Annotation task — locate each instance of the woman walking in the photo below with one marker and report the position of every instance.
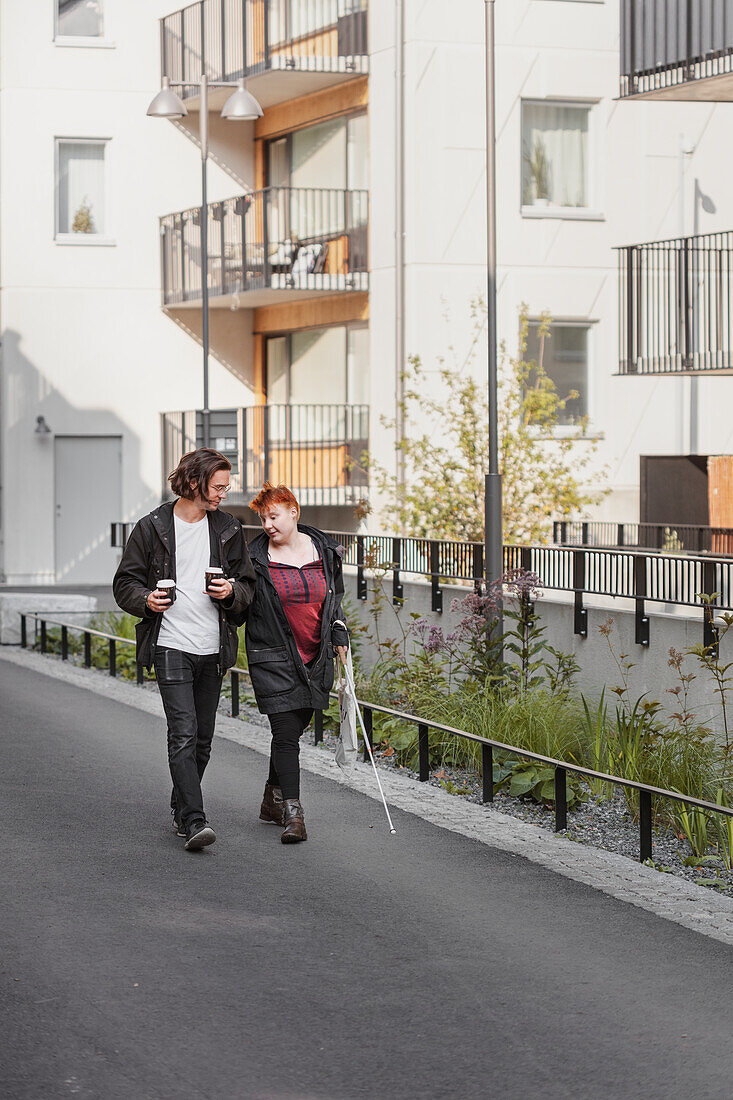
(294, 627)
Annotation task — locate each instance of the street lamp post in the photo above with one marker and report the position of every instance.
(493, 542)
(241, 106)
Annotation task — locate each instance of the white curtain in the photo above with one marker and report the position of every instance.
(81, 187)
(290, 19)
(554, 155)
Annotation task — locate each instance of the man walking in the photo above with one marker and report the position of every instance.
(192, 638)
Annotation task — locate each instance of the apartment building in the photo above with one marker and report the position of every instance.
(346, 230)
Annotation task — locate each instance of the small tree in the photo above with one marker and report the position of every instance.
(445, 463)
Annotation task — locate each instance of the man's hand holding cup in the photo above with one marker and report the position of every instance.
(216, 584)
(162, 596)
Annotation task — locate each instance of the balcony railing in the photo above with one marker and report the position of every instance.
(315, 449)
(672, 538)
(280, 239)
(229, 39)
(676, 305)
(668, 47)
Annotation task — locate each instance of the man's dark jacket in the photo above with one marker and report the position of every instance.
(280, 679)
(150, 556)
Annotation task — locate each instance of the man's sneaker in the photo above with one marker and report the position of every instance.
(177, 827)
(198, 835)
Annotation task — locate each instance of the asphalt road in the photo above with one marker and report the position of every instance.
(356, 965)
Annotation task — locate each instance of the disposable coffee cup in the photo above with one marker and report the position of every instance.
(166, 588)
(213, 573)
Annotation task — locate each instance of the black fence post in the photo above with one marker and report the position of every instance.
(645, 826)
(234, 677)
(580, 625)
(487, 773)
(367, 716)
(361, 584)
(561, 800)
(64, 643)
(397, 588)
(44, 638)
(423, 752)
(87, 649)
(709, 632)
(641, 619)
(437, 591)
(478, 566)
(318, 727)
(23, 633)
(112, 657)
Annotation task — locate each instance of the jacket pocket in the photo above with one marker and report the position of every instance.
(144, 638)
(270, 670)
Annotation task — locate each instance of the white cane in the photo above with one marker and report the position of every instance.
(367, 742)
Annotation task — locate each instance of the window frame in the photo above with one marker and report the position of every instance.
(83, 41)
(594, 210)
(565, 431)
(84, 240)
(288, 334)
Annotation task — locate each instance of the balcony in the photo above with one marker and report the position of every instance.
(277, 245)
(285, 48)
(676, 306)
(314, 449)
(677, 49)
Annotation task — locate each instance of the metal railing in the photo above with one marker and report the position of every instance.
(281, 238)
(676, 305)
(231, 39)
(561, 767)
(315, 449)
(668, 537)
(640, 576)
(667, 44)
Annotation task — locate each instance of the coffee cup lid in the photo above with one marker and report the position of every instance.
(214, 569)
(166, 584)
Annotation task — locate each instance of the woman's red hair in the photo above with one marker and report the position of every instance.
(271, 494)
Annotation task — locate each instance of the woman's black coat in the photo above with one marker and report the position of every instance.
(280, 679)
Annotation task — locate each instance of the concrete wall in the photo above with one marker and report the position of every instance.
(84, 340)
(650, 674)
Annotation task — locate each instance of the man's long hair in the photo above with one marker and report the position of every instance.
(198, 466)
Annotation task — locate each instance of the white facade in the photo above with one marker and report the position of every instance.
(86, 345)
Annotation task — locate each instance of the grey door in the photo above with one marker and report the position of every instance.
(88, 474)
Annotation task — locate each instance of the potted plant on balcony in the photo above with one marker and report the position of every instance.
(538, 180)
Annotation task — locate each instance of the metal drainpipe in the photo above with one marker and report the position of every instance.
(399, 231)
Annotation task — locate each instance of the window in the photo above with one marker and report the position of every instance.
(79, 19)
(564, 356)
(555, 156)
(330, 154)
(223, 433)
(327, 366)
(80, 190)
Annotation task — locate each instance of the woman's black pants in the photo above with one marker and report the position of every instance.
(285, 749)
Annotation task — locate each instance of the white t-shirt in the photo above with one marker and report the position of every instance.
(192, 622)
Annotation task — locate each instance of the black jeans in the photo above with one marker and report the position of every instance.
(190, 685)
(285, 750)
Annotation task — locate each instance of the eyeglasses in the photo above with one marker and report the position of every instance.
(220, 490)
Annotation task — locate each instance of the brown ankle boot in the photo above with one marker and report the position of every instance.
(294, 822)
(272, 805)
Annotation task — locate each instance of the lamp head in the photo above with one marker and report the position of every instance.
(241, 106)
(167, 104)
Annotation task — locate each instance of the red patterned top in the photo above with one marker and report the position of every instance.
(302, 593)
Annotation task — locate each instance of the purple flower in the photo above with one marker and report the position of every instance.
(435, 640)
